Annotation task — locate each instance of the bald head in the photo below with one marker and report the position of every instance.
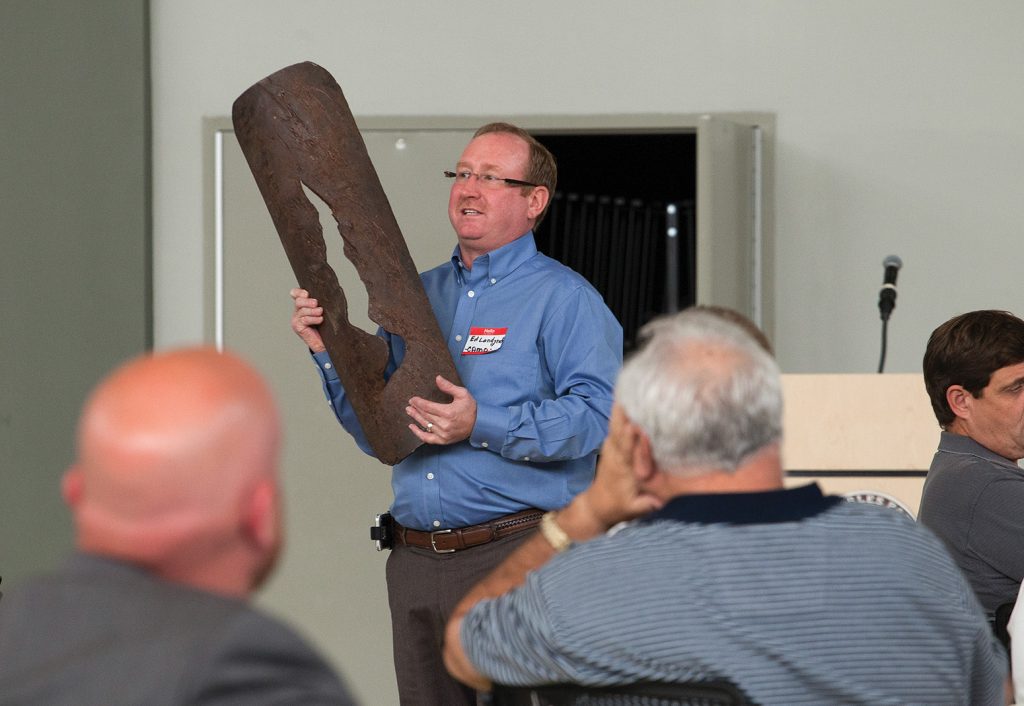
(176, 467)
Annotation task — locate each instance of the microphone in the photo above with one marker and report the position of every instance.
(887, 295)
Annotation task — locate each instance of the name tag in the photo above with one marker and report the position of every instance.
(484, 340)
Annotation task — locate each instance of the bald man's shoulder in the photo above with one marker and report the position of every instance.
(127, 637)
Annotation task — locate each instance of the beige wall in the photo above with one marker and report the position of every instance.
(900, 127)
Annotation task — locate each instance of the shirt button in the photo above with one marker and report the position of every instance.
(484, 444)
(458, 337)
(437, 523)
(494, 281)
(327, 366)
(430, 476)
(471, 294)
(526, 458)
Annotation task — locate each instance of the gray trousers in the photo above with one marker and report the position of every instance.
(423, 590)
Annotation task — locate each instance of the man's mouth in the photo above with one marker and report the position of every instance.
(470, 212)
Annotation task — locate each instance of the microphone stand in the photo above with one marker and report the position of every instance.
(886, 303)
(885, 335)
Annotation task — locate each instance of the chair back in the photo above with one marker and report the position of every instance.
(1001, 624)
(709, 693)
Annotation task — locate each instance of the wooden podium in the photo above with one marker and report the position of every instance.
(871, 435)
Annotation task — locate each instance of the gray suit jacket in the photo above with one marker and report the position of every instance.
(102, 632)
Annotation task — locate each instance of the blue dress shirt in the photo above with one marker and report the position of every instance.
(543, 396)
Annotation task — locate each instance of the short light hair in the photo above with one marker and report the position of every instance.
(541, 168)
(704, 391)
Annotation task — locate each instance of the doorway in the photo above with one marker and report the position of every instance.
(623, 217)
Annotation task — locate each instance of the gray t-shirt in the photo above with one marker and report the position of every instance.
(973, 499)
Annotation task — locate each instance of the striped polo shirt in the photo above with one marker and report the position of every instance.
(796, 597)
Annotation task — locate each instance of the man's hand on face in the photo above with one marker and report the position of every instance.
(437, 423)
(618, 492)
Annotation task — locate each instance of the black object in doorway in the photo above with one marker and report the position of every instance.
(611, 221)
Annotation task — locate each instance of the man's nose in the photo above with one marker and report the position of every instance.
(469, 186)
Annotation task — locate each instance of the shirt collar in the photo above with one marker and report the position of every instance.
(960, 444)
(500, 262)
(81, 562)
(783, 505)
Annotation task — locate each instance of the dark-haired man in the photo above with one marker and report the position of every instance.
(522, 436)
(974, 492)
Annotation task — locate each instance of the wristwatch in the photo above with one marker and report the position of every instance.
(554, 534)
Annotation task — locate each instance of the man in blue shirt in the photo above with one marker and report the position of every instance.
(537, 351)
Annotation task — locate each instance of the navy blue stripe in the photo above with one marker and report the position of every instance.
(783, 505)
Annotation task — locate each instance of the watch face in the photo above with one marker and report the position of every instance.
(873, 497)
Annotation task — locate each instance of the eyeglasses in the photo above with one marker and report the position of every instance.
(487, 181)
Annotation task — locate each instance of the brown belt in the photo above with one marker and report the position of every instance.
(450, 540)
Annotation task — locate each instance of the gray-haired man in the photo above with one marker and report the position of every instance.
(792, 596)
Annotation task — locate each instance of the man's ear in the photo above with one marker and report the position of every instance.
(631, 443)
(71, 486)
(538, 199)
(959, 400)
(261, 521)
(643, 458)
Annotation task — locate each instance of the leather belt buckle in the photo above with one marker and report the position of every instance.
(433, 542)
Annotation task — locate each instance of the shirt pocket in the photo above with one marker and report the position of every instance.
(504, 378)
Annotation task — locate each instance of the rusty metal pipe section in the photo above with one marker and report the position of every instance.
(295, 128)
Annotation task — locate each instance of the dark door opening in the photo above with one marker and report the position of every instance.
(610, 219)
